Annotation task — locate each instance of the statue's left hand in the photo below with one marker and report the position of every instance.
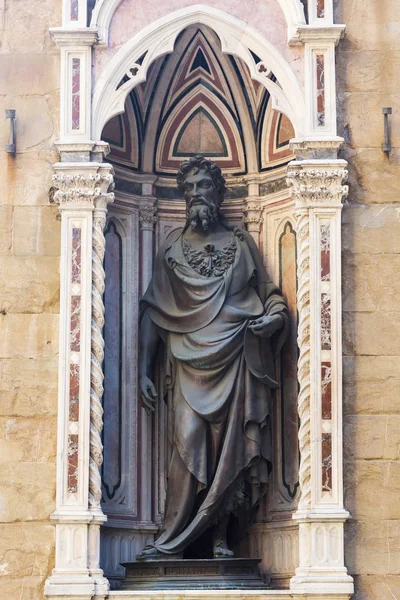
(266, 325)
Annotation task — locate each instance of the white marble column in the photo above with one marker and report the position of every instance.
(318, 191)
(83, 192)
(147, 220)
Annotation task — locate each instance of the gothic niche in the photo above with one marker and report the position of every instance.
(195, 100)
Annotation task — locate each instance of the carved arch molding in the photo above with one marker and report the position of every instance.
(100, 68)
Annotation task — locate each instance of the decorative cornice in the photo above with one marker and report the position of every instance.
(317, 183)
(63, 36)
(317, 34)
(321, 144)
(67, 148)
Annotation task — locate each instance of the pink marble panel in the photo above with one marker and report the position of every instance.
(74, 10)
(325, 253)
(320, 90)
(320, 9)
(76, 92)
(73, 459)
(326, 390)
(326, 462)
(76, 255)
(325, 321)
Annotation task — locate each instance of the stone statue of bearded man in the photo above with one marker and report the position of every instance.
(222, 322)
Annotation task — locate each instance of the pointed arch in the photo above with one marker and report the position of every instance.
(236, 37)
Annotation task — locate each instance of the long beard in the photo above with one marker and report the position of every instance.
(202, 215)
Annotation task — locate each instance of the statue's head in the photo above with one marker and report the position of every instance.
(203, 187)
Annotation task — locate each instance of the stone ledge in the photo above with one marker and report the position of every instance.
(200, 595)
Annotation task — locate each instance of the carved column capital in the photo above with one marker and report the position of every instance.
(253, 215)
(147, 216)
(80, 186)
(318, 183)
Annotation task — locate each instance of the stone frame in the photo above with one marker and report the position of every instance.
(84, 189)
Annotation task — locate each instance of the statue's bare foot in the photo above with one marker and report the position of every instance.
(220, 548)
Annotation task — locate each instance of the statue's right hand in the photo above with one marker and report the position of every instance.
(148, 393)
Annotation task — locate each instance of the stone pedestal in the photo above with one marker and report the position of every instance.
(211, 574)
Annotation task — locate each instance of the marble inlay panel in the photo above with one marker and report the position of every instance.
(326, 462)
(76, 255)
(326, 390)
(74, 347)
(320, 9)
(320, 90)
(325, 321)
(74, 10)
(74, 392)
(73, 457)
(325, 253)
(75, 333)
(76, 92)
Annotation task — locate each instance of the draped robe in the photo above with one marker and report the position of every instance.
(221, 375)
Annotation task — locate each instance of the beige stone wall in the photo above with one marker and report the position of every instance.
(29, 297)
(369, 79)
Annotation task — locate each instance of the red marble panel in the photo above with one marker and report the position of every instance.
(74, 10)
(326, 462)
(73, 459)
(325, 321)
(325, 253)
(320, 90)
(75, 332)
(320, 9)
(76, 92)
(74, 392)
(326, 390)
(76, 255)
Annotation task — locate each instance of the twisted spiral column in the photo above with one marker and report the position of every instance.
(97, 351)
(304, 363)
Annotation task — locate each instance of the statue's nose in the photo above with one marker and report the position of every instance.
(195, 191)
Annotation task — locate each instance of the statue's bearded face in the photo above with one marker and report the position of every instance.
(202, 199)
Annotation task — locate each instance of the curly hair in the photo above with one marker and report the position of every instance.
(200, 163)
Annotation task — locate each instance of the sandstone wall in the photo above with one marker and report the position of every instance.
(29, 297)
(369, 79)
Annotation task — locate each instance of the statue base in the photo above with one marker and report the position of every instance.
(203, 574)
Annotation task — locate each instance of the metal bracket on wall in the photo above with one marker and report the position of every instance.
(11, 147)
(386, 146)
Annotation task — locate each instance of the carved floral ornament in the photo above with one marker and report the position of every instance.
(83, 189)
(148, 214)
(313, 186)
